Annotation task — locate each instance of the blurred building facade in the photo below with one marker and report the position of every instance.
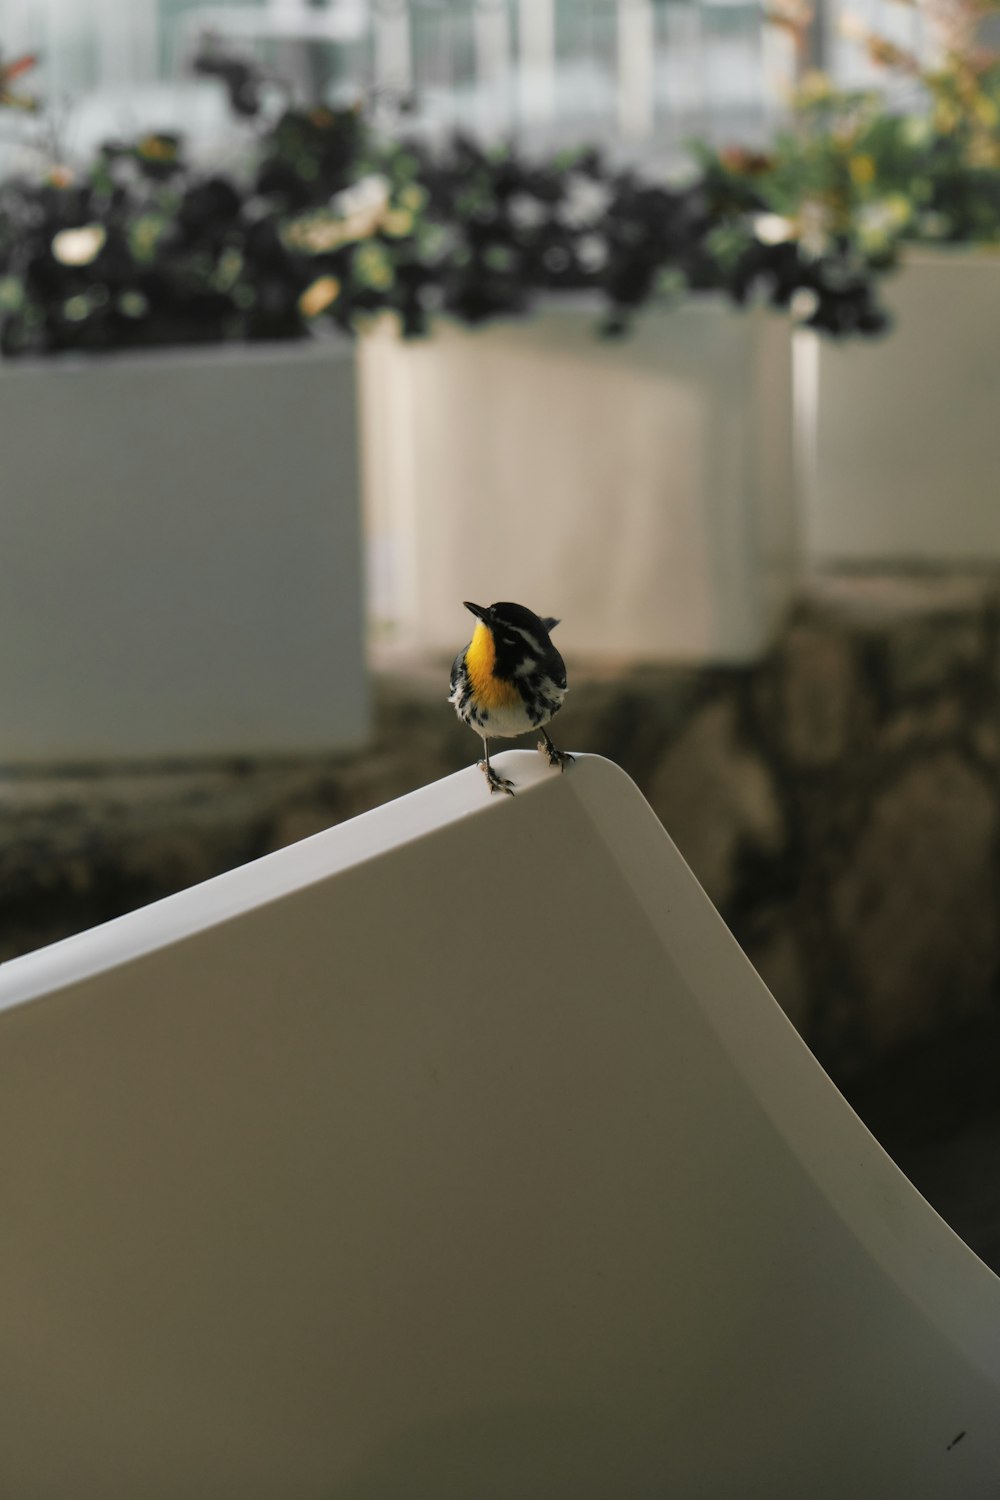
(640, 75)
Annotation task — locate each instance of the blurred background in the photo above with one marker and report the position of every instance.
(676, 319)
(649, 73)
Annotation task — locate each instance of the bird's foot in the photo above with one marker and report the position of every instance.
(560, 758)
(494, 780)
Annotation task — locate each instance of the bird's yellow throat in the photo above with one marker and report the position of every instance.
(480, 659)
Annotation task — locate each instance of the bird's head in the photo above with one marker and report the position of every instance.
(514, 627)
(508, 639)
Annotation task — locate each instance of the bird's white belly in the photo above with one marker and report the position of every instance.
(506, 721)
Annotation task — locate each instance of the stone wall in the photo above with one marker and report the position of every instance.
(839, 803)
(854, 847)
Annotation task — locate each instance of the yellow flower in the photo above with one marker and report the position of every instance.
(946, 118)
(899, 209)
(814, 87)
(227, 270)
(862, 168)
(397, 222)
(144, 234)
(318, 296)
(373, 267)
(983, 152)
(157, 148)
(413, 197)
(11, 293)
(315, 233)
(881, 222)
(133, 304)
(916, 130)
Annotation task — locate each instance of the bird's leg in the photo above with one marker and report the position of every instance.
(560, 758)
(495, 781)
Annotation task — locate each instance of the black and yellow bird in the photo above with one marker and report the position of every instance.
(508, 680)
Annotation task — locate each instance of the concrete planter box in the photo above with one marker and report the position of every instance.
(640, 489)
(900, 437)
(180, 554)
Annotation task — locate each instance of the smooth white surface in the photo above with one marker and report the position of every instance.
(180, 558)
(458, 1151)
(902, 432)
(639, 489)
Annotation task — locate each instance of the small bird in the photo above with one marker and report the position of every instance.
(508, 680)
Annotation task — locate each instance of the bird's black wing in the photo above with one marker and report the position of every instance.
(554, 667)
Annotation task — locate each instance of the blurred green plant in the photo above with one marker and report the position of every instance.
(141, 249)
(481, 232)
(862, 172)
(325, 223)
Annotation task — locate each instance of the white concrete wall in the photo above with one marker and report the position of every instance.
(180, 555)
(901, 434)
(640, 489)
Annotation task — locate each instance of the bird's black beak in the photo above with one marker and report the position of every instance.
(479, 610)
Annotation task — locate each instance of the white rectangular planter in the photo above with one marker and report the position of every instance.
(900, 436)
(180, 558)
(640, 489)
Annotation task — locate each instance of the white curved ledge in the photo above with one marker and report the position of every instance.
(458, 1152)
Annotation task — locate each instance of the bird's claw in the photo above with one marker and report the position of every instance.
(560, 758)
(495, 781)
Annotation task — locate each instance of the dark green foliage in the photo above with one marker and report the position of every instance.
(325, 222)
